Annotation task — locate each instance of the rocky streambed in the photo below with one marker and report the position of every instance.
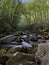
(18, 55)
(22, 49)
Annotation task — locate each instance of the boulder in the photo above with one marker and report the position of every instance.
(12, 50)
(7, 39)
(30, 63)
(42, 54)
(19, 58)
(20, 48)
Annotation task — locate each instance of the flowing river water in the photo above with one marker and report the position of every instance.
(14, 43)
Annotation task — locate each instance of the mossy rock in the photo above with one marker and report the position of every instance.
(22, 49)
(3, 51)
(20, 58)
(13, 50)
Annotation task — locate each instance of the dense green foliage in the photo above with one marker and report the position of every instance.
(15, 14)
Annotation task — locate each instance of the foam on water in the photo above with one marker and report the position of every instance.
(26, 44)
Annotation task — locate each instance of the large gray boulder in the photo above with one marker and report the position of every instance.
(7, 39)
(42, 54)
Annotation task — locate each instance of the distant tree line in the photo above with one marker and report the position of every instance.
(35, 12)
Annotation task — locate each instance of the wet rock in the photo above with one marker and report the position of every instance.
(39, 36)
(46, 37)
(17, 48)
(42, 54)
(18, 40)
(24, 36)
(41, 41)
(30, 63)
(33, 38)
(7, 39)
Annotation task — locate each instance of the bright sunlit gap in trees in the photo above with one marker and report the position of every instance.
(26, 0)
(15, 14)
